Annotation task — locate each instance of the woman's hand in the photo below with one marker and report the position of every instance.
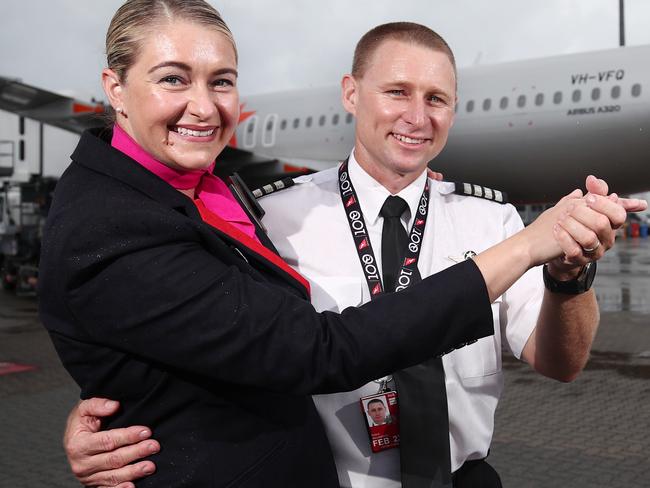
(434, 175)
(541, 239)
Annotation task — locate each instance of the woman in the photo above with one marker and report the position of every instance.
(157, 291)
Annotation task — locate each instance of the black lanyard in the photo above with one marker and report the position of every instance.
(409, 272)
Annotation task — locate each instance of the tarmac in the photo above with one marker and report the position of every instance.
(594, 432)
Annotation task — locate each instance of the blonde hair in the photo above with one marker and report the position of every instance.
(398, 31)
(136, 18)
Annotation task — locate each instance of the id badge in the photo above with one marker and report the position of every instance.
(381, 414)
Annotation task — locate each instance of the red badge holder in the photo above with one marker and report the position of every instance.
(381, 414)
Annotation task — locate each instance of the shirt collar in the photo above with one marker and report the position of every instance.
(373, 194)
(213, 192)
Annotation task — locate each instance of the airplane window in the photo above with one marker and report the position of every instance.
(21, 126)
(335, 119)
(616, 91)
(576, 95)
(269, 125)
(321, 120)
(251, 132)
(636, 90)
(308, 121)
(503, 103)
(521, 101)
(539, 99)
(470, 106)
(487, 103)
(21, 150)
(595, 93)
(557, 97)
(348, 118)
(283, 124)
(296, 123)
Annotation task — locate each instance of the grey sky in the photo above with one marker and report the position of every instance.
(286, 44)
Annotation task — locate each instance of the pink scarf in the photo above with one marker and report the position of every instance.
(209, 189)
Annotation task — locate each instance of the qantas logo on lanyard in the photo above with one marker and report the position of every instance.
(415, 240)
(359, 232)
(362, 241)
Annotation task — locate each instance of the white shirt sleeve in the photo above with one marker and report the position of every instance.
(521, 304)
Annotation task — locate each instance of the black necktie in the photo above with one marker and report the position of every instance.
(393, 240)
(424, 420)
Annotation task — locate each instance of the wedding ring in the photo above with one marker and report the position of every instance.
(590, 250)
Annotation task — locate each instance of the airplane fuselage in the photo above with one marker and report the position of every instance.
(533, 128)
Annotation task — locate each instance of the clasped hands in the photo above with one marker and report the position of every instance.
(584, 228)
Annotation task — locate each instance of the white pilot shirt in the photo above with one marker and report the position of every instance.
(308, 226)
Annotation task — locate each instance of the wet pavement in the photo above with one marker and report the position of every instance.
(33, 404)
(594, 432)
(623, 282)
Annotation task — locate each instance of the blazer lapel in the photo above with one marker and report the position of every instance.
(119, 166)
(254, 249)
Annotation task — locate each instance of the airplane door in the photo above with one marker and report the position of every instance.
(270, 124)
(249, 132)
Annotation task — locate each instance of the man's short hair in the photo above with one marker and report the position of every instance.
(375, 400)
(398, 31)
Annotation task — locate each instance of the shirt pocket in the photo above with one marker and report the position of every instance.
(483, 357)
(336, 293)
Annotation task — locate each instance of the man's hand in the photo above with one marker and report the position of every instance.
(585, 233)
(102, 458)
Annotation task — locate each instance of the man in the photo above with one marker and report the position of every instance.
(402, 92)
(377, 412)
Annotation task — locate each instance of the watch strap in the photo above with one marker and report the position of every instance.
(576, 286)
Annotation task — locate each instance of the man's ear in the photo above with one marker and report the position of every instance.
(349, 94)
(453, 116)
(113, 89)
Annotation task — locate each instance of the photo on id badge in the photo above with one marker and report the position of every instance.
(381, 414)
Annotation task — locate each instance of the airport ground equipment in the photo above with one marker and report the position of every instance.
(32, 121)
(23, 208)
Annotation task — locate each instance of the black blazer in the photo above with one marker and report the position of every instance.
(218, 354)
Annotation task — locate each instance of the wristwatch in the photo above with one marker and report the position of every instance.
(579, 284)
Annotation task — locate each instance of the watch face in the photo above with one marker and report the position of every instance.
(589, 274)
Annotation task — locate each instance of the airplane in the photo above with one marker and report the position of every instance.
(533, 129)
